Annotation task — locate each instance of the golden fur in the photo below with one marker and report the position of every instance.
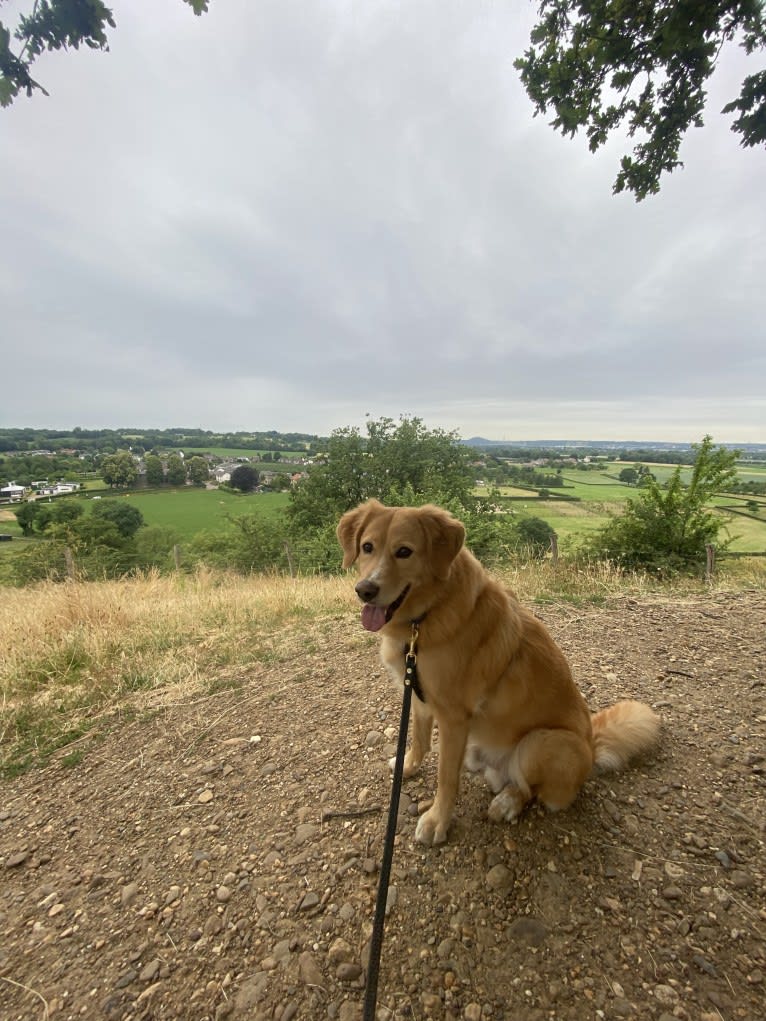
(494, 680)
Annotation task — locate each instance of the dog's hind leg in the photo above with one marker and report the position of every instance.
(551, 765)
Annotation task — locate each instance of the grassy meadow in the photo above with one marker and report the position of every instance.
(189, 510)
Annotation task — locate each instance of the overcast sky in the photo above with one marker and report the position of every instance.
(288, 215)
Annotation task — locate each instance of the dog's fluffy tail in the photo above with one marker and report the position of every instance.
(623, 731)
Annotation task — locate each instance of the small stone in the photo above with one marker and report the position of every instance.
(373, 738)
(306, 831)
(445, 949)
(348, 971)
(223, 894)
(672, 892)
(309, 970)
(125, 979)
(206, 797)
(172, 895)
(340, 952)
(741, 879)
(472, 1012)
(128, 893)
(499, 878)
(391, 898)
(704, 965)
(150, 971)
(666, 996)
(309, 901)
(17, 859)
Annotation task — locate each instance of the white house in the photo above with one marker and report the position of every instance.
(12, 492)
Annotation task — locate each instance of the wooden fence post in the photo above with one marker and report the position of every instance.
(710, 562)
(289, 553)
(177, 556)
(555, 548)
(69, 560)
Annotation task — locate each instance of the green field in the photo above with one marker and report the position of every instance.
(190, 510)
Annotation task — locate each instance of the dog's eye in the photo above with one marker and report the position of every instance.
(366, 547)
(403, 552)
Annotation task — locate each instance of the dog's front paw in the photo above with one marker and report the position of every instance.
(431, 828)
(411, 765)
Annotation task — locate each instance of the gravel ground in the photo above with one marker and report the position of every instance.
(217, 857)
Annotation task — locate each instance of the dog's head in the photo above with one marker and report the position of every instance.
(401, 553)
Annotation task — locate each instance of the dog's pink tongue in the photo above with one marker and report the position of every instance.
(373, 617)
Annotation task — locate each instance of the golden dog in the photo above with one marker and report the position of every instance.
(491, 676)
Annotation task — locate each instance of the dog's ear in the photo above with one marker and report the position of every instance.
(447, 536)
(350, 528)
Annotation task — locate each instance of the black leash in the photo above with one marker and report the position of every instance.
(376, 941)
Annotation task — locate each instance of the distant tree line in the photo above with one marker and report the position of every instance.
(140, 440)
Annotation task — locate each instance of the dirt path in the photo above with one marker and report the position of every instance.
(191, 867)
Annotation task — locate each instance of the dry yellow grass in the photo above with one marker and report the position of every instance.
(74, 653)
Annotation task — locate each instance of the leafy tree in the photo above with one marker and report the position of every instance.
(245, 478)
(667, 528)
(535, 535)
(629, 475)
(54, 25)
(60, 512)
(119, 469)
(176, 473)
(400, 463)
(155, 473)
(645, 65)
(126, 518)
(198, 470)
(26, 515)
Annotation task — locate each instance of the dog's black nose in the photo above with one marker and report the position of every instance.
(366, 590)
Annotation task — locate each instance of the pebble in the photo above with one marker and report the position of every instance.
(666, 996)
(309, 901)
(309, 970)
(741, 879)
(672, 892)
(472, 1012)
(150, 971)
(205, 797)
(307, 831)
(223, 894)
(348, 971)
(16, 859)
(499, 878)
(391, 898)
(128, 893)
(340, 952)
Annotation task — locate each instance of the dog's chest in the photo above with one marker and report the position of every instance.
(437, 674)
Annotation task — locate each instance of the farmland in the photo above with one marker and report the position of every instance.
(575, 511)
(596, 495)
